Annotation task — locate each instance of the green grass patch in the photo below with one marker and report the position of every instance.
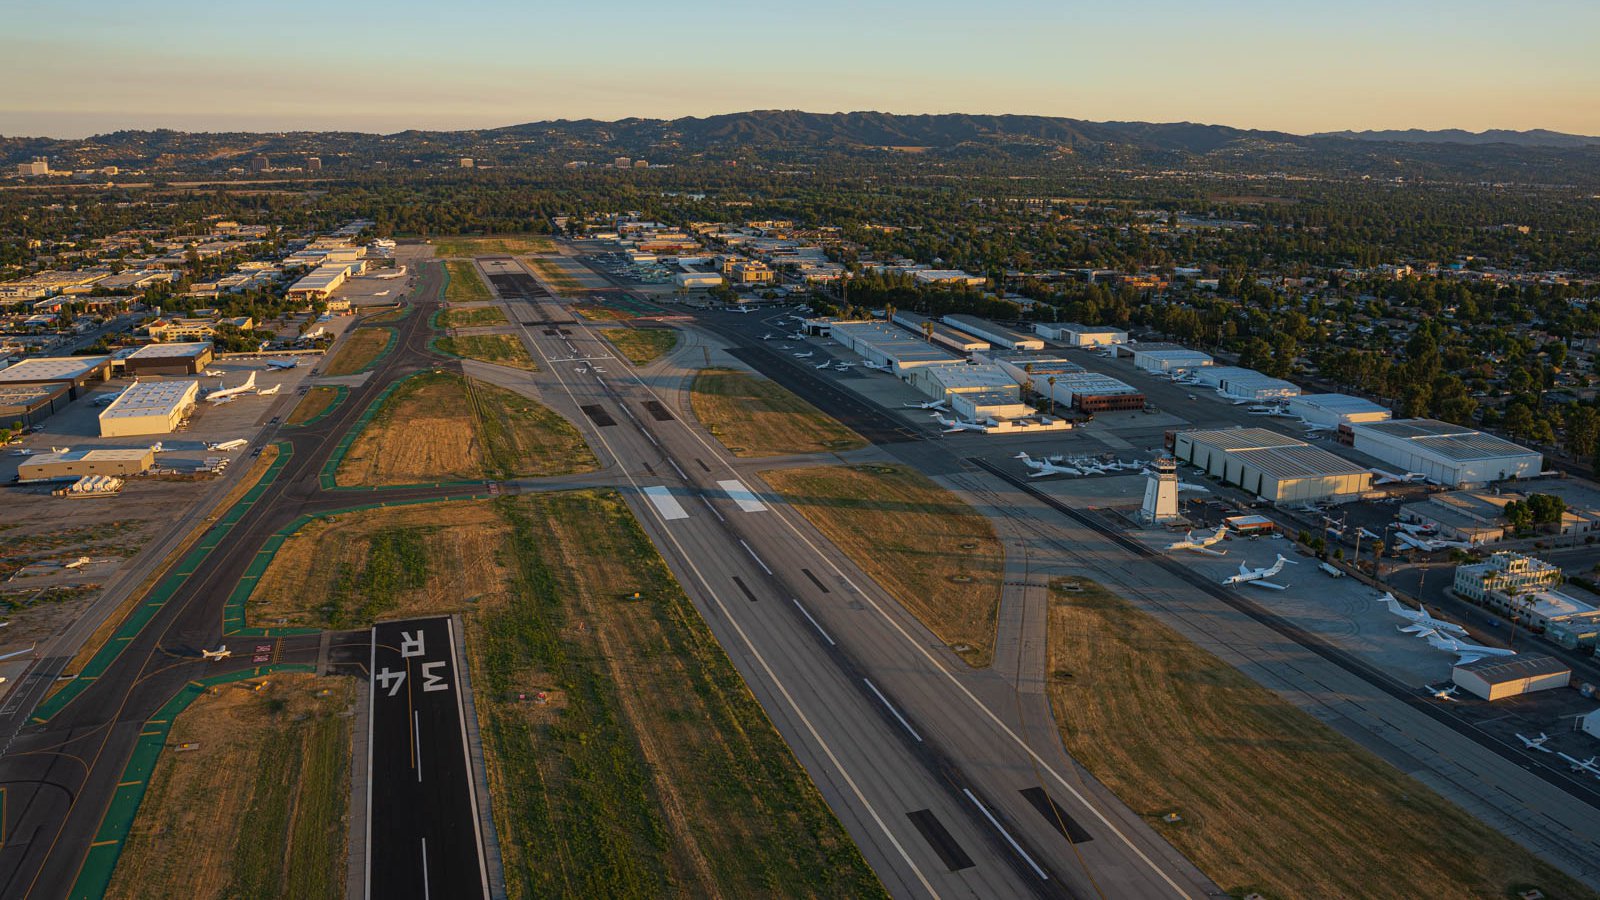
(492, 245)
(642, 345)
(753, 417)
(397, 560)
(464, 285)
(474, 317)
(500, 349)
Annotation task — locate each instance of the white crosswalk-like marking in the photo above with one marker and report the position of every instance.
(666, 504)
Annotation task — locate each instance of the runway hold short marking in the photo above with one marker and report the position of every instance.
(940, 839)
(742, 496)
(666, 504)
(1056, 816)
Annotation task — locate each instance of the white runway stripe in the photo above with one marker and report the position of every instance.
(666, 504)
(741, 495)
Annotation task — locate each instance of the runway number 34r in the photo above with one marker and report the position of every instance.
(412, 644)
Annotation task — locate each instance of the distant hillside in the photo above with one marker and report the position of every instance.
(1537, 137)
(790, 135)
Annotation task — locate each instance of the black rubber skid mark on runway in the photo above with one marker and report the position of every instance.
(748, 596)
(598, 413)
(657, 411)
(940, 839)
(1056, 816)
(820, 586)
(702, 464)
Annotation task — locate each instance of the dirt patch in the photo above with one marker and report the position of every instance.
(357, 351)
(258, 804)
(933, 553)
(755, 417)
(1270, 799)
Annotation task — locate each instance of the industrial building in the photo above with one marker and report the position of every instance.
(76, 372)
(149, 407)
(1089, 392)
(74, 464)
(1245, 384)
(1499, 677)
(1473, 516)
(1447, 454)
(1027, 366)
(1275, 468)
(1168, 357)
(998, 335)
(1333, 410)
(169, 359)
(941, 382)
(986, 406)
(883, 344)
(320, 282)
(940, 333)
(691, 280)
(30, 404)
(1074, 335)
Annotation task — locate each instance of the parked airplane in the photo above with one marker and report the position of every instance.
(282, 363)
(806, 355)
(743, 310)
(157, 447)
(1429, 546)
(951, 426)
(827, 363)
(931, 404)
(234, 444)
(1582, 765)
(1042, 467)
(1197, 488)
(215, 373)
(1413, 528)
(22, 452)
(797, 336)
(268, 392)
(1448, 693)
(1332, 570)
(78, 563)
(768, 336)
(1421, 621)
(843, 366)
(221, 394)
(1262, 410)
(1202, 545)
(1370, 536)
(217, 655)
(60, 449)
(1536, 743)
(1258, 577)
(16, 653)
(397, 273)
(1393, 478)
(1465, 652)
(874, 366)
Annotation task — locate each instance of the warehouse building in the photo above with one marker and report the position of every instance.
(1074, 335)
(883, 344)
(78, 373)
(149, 407)
(998, 335)
(1499, 677)
(1168, 357)
(696, 280)
(990, 406)
(1446, 454)
(74, 464)
(320, 282)
(940, 333)
(169, 359)
(1027, 366)
(1333, 410)
(941, 382)
(1245, 384)
(30, 404)
(1274, 467)
(1089, 392)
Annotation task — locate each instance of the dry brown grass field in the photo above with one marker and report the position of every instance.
(316, 401)
(933, 553)
(357, 350)
(492, 245)
(500, 349)
(755, 417)
(642, 345)
(1271, 800)
(472, 317)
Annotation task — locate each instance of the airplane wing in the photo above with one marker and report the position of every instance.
(1271, 586)
(1244, 569)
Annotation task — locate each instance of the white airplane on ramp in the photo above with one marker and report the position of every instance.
(221, 394)
(825, 364)
(768, 336)
(1444, 693)
(806, 355)
(1204, 544)
(398, 273)
(1394, 478)
(268, 392)
(217, 655)
(1536, 743)
(1258, 577)
(1039, 468)
(78, 563)
(1465, 652)
(282, 363)
(1582, 765)
(931, 404)
(1421, 621)
(233, 444)
(874, 366)
(951, 426)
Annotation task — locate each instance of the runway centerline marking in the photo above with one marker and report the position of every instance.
(665, 503)
(890, 707)
(814, 624)
(754, 556)
(1006, 834)
(709, 505)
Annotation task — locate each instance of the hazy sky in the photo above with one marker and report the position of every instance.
(77, 67)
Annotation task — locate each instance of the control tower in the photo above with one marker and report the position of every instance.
(1161, 492)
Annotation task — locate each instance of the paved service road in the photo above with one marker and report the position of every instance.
(422, 822)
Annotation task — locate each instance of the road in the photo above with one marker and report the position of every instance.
(930, 764)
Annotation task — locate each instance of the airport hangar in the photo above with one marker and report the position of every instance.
(1074, 387)
(1333, 410)
(149, 407)
(1074, 335)
(169, 359)
(998, 335)
(940, 333)
(1245, 384)
(1274, 467)
(883, 344)
(76, 372)
(1166, 357)
(74, 464)
(1447, 454)
(31, 404)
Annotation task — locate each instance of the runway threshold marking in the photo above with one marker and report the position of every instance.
(939, 838)
(741, 495)
(666, 504)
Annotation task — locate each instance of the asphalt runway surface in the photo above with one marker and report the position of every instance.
(59, 776)
(422, 819)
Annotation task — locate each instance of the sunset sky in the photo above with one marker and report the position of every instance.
(76, 67)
